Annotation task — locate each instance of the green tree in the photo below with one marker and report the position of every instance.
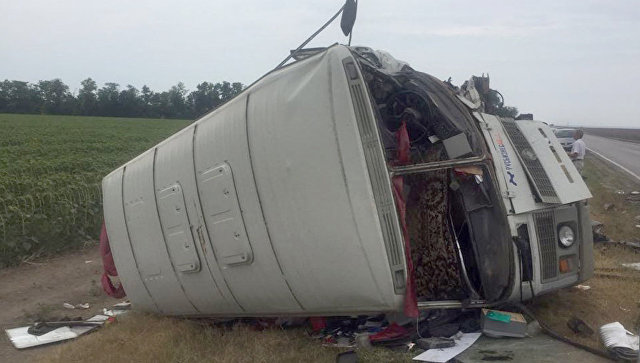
(130, 104)
(146, 96)
(176, 102)
(56, 98)
(108, 97)
(228, 90)
(204, 99)
(19, 97)
(87, 99)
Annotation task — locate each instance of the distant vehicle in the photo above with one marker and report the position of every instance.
(565, 137)
(320, 188)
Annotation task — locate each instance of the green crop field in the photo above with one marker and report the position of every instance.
(51, 168)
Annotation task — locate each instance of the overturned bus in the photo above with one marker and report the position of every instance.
(347, 183)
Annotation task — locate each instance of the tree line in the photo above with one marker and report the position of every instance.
(54, 97)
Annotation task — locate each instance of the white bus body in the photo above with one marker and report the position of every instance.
(281, 202)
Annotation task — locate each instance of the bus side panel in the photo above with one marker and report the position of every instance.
(147, 241)
(123, 257)
(188, 247)
(233, 214)
(299, 175)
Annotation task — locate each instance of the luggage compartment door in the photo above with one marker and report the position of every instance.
(233, 215)
(173, 214)
(183, 227)
(223, 216)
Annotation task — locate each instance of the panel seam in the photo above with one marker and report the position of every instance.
(133, 252)
(213, 251)
(284, 277)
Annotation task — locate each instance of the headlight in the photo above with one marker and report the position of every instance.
(566, 236)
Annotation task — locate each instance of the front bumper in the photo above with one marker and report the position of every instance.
(544, 255)
(558, 263)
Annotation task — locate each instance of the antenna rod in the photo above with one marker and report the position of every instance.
(310, 38)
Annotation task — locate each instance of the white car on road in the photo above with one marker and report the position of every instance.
(565, 136)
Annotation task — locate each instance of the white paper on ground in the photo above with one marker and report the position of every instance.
(20, 338)
(443, 355)
(615, 335)
(635, 266)
(113, 312)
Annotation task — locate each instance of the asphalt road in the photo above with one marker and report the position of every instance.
(624, 154)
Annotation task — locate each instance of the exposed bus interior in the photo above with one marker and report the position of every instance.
(421, 123)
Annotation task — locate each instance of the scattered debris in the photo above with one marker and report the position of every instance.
(496, 323)
(533, 328)
(76, 306)
(444, 330)
(117, 309)
(583, 287)
(597, 228)
(634, 244)
(50, 332)
(620, 192)
(619, 341)
(578, 326)
(41, 333)
(462, 342)
(435, 343)
(88, 261)
(390, 334)
(635, 265)
(363, 342)
(608, 206)
(125, 305)
(341, 342)
(625, 309)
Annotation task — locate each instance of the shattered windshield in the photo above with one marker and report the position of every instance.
(439, 126)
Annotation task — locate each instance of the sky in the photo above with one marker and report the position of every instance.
(567, 62)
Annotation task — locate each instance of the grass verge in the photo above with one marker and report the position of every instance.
(139, 337)
(615, 290)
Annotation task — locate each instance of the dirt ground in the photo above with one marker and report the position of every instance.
(36, 291)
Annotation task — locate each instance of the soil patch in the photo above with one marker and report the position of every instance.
(36, 291)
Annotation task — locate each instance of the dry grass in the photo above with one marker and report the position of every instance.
(140, 337)
(146, 338)
(611, 298)
(615, 290)
(605, 181)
